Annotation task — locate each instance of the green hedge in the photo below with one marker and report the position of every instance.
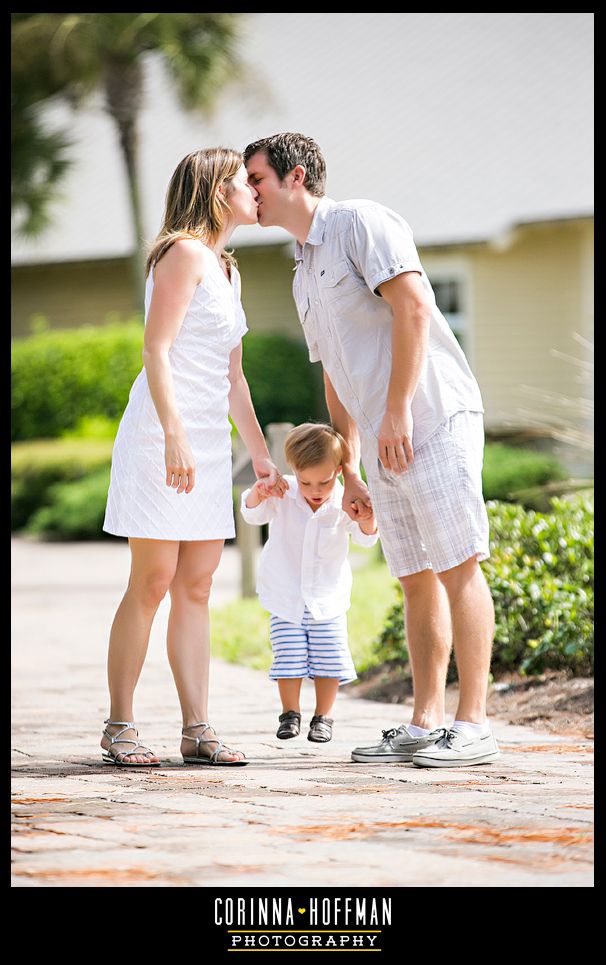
(540, 574)
(75, 511)
(284, 386)
(37, 466)
(509, 469)
(541, 578)
(60, 376)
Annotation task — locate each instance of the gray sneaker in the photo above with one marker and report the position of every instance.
(453, 748)
(398, 746)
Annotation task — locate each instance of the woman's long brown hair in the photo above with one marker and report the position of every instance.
(194, 207)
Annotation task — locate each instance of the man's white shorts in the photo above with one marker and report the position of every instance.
(433, 515)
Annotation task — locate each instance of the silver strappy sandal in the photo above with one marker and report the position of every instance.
(109, 758)
(213, 758)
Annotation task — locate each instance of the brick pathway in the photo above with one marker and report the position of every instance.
(298, 814)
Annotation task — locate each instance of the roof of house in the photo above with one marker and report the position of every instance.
(465, 123)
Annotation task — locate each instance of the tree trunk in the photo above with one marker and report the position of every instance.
(124, 95)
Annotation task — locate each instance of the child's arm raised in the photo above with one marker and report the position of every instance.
(368, 525)
(257, 505)
(364, 531)
(258, 494)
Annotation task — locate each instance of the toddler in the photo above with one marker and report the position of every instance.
(304, 577)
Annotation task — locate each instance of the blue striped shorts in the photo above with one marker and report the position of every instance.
(315, 648)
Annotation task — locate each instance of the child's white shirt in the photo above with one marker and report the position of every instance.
(304, 562)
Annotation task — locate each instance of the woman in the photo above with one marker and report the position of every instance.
(171, 487)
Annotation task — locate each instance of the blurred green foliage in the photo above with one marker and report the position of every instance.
(61, 376)
(508, 469)
(75, 511)
(540, 574)
(38, 466)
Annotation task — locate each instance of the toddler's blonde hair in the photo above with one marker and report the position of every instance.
(311, 443)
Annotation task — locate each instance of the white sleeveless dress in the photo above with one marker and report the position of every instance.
(139, 503)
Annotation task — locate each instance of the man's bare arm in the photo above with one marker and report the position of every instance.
(345, 425)
(410, 331)
(356, 499)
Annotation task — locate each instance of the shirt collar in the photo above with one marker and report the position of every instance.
(317, 227)
(293, 492)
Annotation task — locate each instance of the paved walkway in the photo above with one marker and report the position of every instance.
(297, 815)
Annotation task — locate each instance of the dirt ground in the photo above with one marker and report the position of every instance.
(553, 701)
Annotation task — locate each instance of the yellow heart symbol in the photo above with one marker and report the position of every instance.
(301, 910)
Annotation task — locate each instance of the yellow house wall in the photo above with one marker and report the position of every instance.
(70, 294)
(527, 301)
(85, 293)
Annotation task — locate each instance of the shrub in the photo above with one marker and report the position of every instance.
(508, 469)
(541, 578)
(283, 384)
(75, 511)
(37, 466)
(93, 427)
(540, 574)
(61, 376)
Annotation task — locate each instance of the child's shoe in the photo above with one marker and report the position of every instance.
(290, 725)
(320, 729)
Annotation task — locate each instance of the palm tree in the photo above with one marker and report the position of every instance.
(39, 157)
(39, 164)
(73, 54)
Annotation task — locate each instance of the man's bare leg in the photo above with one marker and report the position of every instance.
(429, 640)
(472, 614)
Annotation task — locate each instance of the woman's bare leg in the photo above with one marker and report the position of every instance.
(153, 565)
(188, 640)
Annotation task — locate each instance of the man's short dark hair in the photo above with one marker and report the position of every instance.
(285, 151)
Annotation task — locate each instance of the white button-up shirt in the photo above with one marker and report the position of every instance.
(352, 247)
(304, 562)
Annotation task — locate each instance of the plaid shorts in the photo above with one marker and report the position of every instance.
(433, 516)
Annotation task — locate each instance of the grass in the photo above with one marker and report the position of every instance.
(240, 630)
(372, 596)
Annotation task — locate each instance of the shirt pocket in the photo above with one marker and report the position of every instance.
(339, 281)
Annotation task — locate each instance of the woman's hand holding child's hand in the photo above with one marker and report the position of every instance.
(263, 490)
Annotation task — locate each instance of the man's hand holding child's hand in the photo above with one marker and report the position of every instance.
(362, 510)
(365, 516)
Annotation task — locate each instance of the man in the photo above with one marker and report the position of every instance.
(401, 393)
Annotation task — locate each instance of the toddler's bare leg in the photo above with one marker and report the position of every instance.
(290, 691)
(326, 694)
